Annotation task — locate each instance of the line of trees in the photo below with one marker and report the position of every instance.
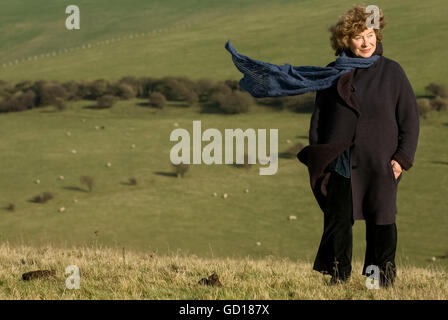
(212, 96)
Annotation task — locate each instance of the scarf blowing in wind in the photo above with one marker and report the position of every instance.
(263, 79)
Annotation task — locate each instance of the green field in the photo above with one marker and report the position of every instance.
(166, 214)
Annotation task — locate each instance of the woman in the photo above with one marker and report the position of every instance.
(361, 184)
(363, 133)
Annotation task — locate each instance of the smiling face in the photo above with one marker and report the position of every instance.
(363, 44)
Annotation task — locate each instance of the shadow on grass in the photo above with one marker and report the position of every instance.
(291, 152)
(35, 200)
(302, 137)
(166, 174)
(180, 104)
(438, 258)
(170, 104)
(145, 105)
(128, 183)
(71, 188)
(49, 111)
(425, 97)
(287, 155)
(246, 166)
(306, 109)
(209, 109)
(10, 207)
(304, 105)
(95, 107)
(440, 162)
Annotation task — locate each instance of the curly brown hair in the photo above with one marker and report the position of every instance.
(351, 23)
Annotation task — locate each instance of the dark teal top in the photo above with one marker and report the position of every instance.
(342, 164)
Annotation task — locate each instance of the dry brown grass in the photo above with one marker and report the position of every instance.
(107, 273)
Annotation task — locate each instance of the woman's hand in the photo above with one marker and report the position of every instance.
(397, 168)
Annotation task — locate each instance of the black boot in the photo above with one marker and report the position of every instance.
(339, 275)
(380, 251)
(388, 274)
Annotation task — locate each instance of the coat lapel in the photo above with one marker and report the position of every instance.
(345, 89)
(345, 82)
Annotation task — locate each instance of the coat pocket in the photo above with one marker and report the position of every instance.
(325, 183)
(391, 171)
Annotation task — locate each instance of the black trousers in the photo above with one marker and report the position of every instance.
(335, 251)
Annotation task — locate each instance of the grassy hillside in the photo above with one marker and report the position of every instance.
(159, 38)
(165, 213)
(114, 274)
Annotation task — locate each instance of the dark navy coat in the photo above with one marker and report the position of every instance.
(373, 112)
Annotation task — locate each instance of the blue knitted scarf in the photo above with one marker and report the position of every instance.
(263, 79)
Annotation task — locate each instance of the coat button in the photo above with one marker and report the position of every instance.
(354, 166)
